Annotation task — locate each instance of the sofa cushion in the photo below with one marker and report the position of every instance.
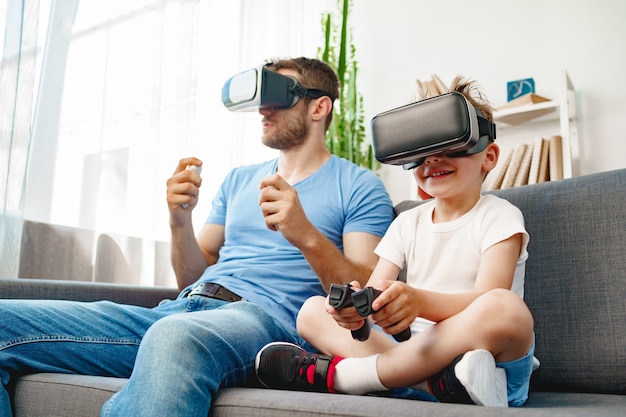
(251, 402)
(61, 395)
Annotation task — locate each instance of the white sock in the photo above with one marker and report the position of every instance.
(358, 376)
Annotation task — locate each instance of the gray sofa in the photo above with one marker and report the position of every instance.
(575, 287)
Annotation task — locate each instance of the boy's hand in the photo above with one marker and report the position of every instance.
(396, 307)
(347, 317)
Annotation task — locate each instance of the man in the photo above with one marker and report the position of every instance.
(278, 233)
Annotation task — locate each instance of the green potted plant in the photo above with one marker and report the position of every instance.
(346, 134)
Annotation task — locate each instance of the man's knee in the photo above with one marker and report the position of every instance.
(170, 331)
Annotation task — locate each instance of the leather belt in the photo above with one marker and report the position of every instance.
(210, 290)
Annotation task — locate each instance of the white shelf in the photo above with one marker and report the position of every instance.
(563, 110)
(524, 114)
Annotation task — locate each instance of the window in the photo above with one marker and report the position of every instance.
(128, 87)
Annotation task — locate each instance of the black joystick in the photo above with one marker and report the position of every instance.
(362, 301)
(340, 296)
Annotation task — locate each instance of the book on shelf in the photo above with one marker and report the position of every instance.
(535, 162)
(544, 172)
(531, 163)
(524, 168)
(499, 175)
(441, 87)
(556, 158)
(514, 166)
(526, 99)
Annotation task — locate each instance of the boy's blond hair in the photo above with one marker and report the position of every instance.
(469, 88)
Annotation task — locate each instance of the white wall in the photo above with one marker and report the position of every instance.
(495, 41)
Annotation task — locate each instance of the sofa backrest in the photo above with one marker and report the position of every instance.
(51, 251)
(576, 279)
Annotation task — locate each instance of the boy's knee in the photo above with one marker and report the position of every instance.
(309, 314)
(507, 310)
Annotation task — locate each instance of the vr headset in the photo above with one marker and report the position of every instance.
(259, 88)
(446, 124)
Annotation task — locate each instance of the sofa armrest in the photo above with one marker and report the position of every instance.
(83, 291)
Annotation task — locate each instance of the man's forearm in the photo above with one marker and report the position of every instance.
(188, 261)
(331, 265)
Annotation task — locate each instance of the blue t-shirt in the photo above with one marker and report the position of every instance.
(261, 265)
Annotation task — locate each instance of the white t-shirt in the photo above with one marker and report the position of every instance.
(444, 257)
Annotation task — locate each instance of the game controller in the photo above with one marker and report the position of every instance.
(340, 297)
(196, 168)
(362, 301)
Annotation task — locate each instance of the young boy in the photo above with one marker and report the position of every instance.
(472, 334)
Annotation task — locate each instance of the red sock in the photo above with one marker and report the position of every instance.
(330, 377)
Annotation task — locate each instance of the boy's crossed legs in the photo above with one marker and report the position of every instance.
(455, 359)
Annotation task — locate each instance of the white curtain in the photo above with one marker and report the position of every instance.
(131, 86)
(19, 53)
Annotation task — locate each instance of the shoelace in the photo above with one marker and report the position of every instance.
(299, 370)
(311, 374)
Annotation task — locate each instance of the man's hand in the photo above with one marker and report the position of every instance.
(282, 210)
(183, 189)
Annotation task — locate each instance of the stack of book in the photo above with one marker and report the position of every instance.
(531, 163)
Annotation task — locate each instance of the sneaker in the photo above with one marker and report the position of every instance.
(472, 378)
(282, 365)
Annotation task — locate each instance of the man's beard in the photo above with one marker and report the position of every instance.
(287, 133)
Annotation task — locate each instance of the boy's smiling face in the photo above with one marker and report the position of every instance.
(442, 176)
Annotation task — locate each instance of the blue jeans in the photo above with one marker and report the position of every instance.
(179, 353)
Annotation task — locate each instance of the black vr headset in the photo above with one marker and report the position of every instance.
(259, 88)
(447, 124)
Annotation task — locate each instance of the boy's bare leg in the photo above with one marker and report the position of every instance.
(498, 321)
(319, 328)
(497, 324)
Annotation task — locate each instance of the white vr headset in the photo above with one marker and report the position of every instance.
(259, 88)
(446, 124)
